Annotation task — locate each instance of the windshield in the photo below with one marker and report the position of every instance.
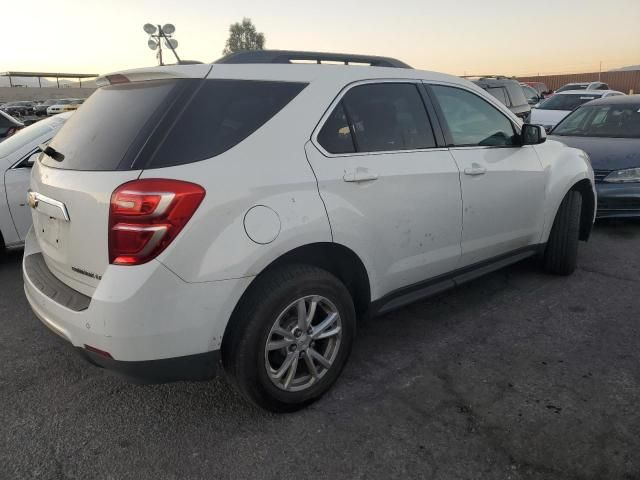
(622, 121)
(566, 102)
(30, 134)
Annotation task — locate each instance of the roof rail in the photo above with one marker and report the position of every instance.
(291, 56)
(488, 77)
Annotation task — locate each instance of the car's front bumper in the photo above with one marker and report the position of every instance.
(143, 322)
(618, 200)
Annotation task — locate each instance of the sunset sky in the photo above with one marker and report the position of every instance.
(454, 36)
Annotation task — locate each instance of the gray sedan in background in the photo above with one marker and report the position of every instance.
(609, 131)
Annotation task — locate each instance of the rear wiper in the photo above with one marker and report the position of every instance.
(52, 152)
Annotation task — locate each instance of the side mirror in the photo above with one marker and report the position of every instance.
(533, 134)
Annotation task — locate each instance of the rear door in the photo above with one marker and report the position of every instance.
(503, 183)
(99, 148)
(391, 191)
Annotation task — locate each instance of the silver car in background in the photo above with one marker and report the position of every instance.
(15, 165)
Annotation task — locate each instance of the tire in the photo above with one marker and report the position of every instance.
(270, 300)
(561, 253)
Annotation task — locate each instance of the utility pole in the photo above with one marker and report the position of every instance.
(600, 71)
(157, 33)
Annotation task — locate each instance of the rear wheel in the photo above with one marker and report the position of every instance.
(290, 337)
(561, 253)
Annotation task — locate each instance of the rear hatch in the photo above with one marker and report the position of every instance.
(103, 145)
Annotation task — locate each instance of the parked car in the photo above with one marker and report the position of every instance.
(553, 109)
(8, 126)
(70, 107)
(243, 216)
(583, 86)
(18, 108)
(541, 88)
(58, 107)
(41, 108)
(609, 131)
(531, 94)
(15, 164)
(508, 91)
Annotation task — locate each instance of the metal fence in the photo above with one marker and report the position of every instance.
(625, 81)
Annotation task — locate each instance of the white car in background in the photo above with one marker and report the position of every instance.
(15, 165)
(244, 214)
(60, 106)
(549, 112)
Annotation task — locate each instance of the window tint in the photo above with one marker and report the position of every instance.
(388, 117)
(98, 135)
(163, 123)
(501, 94)
(335, 136)
(472, 120)
(222, 114)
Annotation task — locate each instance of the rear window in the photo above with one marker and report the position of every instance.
(566, 102)
(98, 136)
(163, 123)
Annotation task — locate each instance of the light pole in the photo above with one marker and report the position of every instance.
(156, 34)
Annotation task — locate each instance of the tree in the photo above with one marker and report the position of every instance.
(243, 36)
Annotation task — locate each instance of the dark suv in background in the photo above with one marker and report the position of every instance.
(508, 91)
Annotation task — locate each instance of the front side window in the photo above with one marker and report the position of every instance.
(472, 121)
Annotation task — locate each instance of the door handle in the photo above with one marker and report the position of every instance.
(359, 174)
(475, 169)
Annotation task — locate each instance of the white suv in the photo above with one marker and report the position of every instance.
(245, 213)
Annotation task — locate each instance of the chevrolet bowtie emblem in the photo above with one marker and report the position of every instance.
(32, 199)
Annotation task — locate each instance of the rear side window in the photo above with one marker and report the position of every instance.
(388, 117)
(516, 94)
(222, 114)
(335, 135)
(501, 94)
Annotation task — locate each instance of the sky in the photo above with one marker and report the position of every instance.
(460, 37)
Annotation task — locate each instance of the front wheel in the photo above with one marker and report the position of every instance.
(561, 253)
(290, 337)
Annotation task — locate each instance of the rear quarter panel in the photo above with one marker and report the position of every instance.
(268, 168)
(564, 167)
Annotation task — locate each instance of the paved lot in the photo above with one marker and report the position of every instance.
(516, 375)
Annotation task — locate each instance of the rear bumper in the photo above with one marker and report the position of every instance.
(154, 326)
(618, 200)
(202, 366)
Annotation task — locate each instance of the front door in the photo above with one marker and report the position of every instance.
(503, 183)
(16, 182)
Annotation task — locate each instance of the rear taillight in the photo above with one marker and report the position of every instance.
(146, 215)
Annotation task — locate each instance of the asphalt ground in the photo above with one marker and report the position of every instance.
(517, 375)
